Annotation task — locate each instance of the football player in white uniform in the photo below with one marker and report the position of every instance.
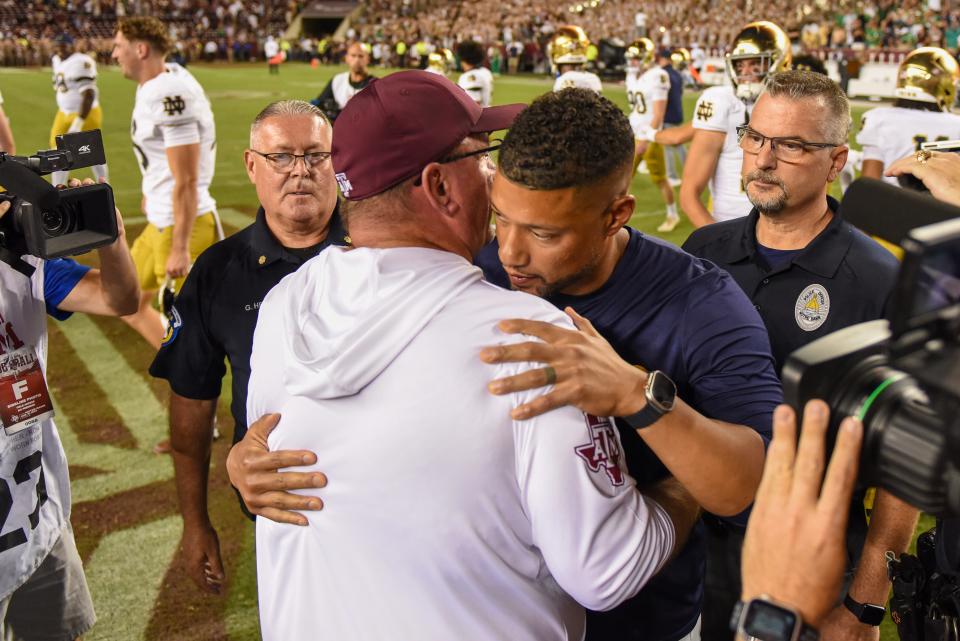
(78, 103)
(647, 89)
(926, 89)
(759, 50)
(568, 53)
(174, 140)
(344, 86)
(476, 80)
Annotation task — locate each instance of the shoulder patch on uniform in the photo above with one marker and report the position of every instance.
(603, 452)
(705, 110)
(812, 307)
(174, 105)
(174, 323)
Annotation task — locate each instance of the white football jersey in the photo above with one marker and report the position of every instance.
(71, 78)
(34, 478)
(576, 78)
(172, 110)
(719, 109)
(890, 133)
(642, 91)
(479, 84)
(343, 91)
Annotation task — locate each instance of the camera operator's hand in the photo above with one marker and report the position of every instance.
(113, 289)
(794, 550)
(940, 173)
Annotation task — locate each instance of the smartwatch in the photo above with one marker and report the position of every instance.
(661, 396)
(762, 619)
(867, 613)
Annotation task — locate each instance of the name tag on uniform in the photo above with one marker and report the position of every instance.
(24, 398)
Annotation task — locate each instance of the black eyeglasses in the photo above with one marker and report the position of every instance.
(284, 162)
(476, 152)
(785, 149)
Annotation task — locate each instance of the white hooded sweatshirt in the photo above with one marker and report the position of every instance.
(443, 518)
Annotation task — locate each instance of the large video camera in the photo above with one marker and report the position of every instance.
(47, 222)
(900, 376)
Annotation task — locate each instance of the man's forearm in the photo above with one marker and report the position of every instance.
(719, 463)
(184, 214)
(891, 528)
(118, 277)
(191, 432)
(694, 209)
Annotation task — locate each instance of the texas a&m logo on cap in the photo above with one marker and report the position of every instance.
(603, 452)
(344, 183)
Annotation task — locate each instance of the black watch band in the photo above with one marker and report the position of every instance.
(661, 396)
(867, 613)
(738, 621)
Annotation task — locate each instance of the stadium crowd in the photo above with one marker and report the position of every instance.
(401, 32)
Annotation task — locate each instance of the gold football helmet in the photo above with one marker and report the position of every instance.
(441, 61)
(680, 58)
(929, 74)
(642, 51)
(763, 41)
(569, 46)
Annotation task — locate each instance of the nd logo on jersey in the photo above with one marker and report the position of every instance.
(812, 307)
(705, 110)
(173, 105)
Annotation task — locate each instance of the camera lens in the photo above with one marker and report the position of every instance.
(53, 223)
(58, 222)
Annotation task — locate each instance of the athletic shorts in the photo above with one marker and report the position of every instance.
(62, 122)
(54, 604)
(151, 250)
(656, 164)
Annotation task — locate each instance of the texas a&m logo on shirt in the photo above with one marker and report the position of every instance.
(603, 452)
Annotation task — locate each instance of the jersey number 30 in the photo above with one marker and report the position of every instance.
(21, 474)
(638, 101)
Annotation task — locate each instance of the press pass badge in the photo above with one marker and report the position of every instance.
(24, 398)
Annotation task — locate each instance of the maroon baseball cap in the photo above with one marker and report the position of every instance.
(399, 124)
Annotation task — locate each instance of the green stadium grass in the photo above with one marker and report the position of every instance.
(111, 412)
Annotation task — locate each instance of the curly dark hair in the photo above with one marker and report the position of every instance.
(570, 138)
(471, 52)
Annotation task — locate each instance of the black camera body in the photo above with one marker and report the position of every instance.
(900, 376)
(50, 223)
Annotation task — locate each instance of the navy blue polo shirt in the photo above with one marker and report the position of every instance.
(674, 113)
(664, 309)
(840, 279)
(216, 312)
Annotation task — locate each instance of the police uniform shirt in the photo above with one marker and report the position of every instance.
(216, 313)
(664, 309)
(841, 278)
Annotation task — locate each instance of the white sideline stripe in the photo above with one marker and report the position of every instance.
(134, 558)
(143, 415)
